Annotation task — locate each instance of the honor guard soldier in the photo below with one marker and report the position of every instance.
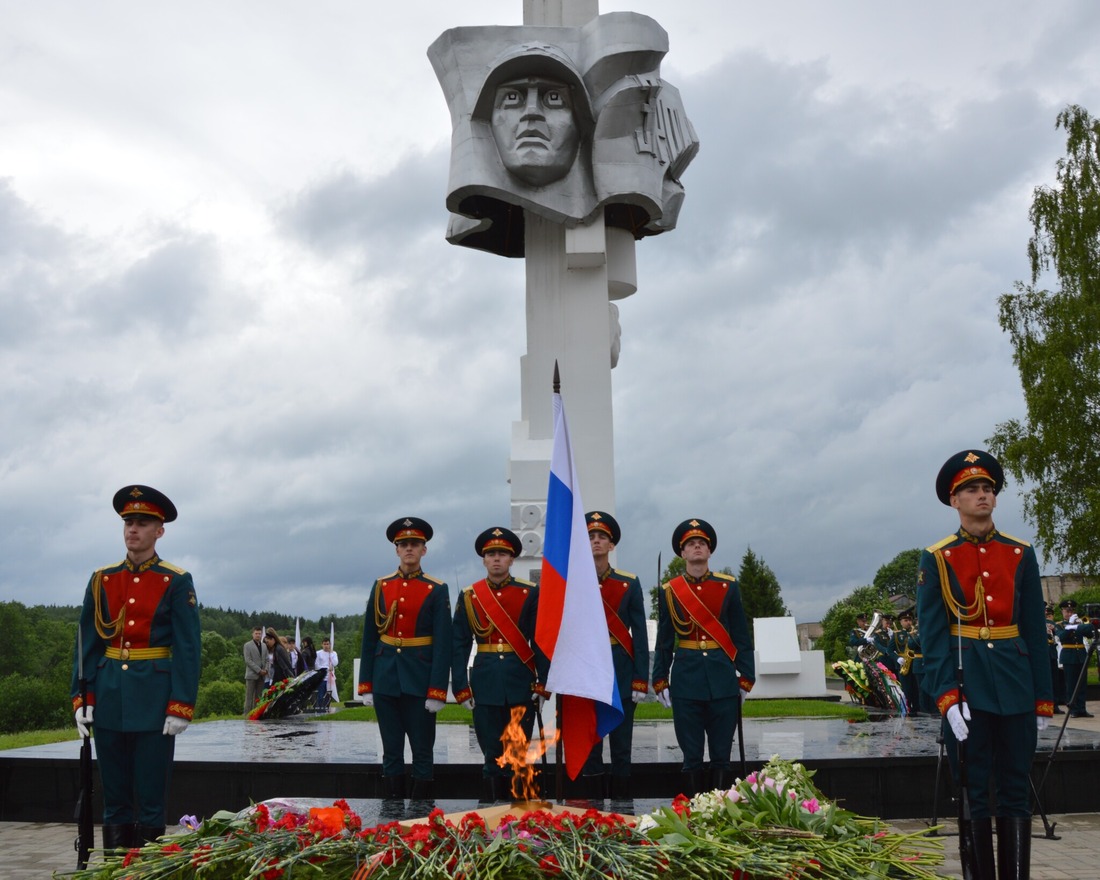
(980, 605)
(703, 664)
(141, 655)
(498, 613)
(624, 608)
(405, 659)
(1072, 632)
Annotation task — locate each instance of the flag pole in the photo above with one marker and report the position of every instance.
(559, 774)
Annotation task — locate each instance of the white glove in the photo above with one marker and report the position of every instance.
(744, 696)
(869, 640)
(637, 696)
(84, 720)
(957, 718)
(368, 699)
(1041, 722)
(468, 704)
(174, 725)
(665, 698)
(433, 706)
(1073, 618)
(539, 700)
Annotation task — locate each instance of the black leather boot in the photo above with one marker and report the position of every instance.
(116, 837)
(502, 790)
(147, 834)
(592, 787)
(621, 789)
(1013, 847)
(721, 778)
(982, 856)
(394, 787)
(421, 790)
(693, 782)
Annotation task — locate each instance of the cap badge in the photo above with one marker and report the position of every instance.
(970, 458)
(135, 492)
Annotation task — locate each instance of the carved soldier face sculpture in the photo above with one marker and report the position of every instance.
(535, 129)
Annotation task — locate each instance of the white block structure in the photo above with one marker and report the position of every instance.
(781, 669)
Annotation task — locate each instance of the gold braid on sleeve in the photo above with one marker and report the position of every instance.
(107, 628)
(956, 609)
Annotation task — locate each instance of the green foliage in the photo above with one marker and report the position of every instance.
(1056, 343)
(760, 590)
(899, 575)
(841, 618)
(32, 703)
(220, 698)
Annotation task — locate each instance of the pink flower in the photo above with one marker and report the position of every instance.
(811, 805)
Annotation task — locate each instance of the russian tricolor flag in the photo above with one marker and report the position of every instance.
(572, 629)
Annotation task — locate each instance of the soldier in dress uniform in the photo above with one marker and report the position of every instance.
(624, 609)
(980, 604)
(856, 638)
(902, 643)
(405, 659)
(1072, 632)
(1057, 678)
(498, 613)
(886, 644)
(703, 665)
(141, 644)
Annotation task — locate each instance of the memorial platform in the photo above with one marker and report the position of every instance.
(886, 767)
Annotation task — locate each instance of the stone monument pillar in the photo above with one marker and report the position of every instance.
(566, 147)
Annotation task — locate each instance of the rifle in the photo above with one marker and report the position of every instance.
(966, 832)
(85, 831)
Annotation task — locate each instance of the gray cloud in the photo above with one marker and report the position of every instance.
(238, 290)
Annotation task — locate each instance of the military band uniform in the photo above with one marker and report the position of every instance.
(706, 684)
(925, 701)
(405, 660)
(900, 643)
(1072, 635)
(856, 639)
(980, 603)
(141, 639)
(504, 675)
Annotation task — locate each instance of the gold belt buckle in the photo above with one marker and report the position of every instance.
(703, 644)
(398, 641)
(983, 633)
(500, 647)
(124, 654)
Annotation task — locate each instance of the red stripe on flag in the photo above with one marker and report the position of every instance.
(551, 609)
(578, 729)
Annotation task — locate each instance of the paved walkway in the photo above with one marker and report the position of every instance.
(33, 851)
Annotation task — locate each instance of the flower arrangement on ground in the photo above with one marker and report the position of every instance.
(772, 824)
(288, 697)
(870, 683)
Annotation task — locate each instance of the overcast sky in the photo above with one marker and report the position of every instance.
(223, 273)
